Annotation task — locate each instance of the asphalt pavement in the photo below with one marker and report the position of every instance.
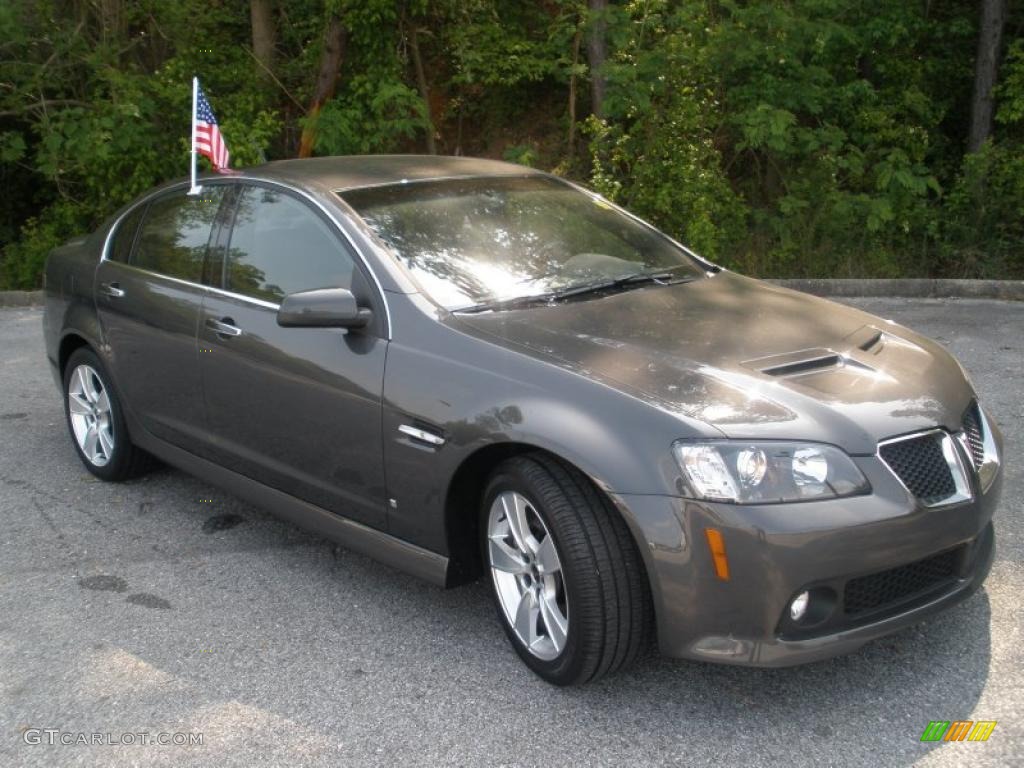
(164, 606)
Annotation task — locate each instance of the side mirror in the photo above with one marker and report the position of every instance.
(322, 308)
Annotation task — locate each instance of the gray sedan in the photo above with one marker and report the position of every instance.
(466, 368)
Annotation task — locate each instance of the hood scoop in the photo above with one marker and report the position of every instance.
(803, 363)
(808, 361)
(869, 339)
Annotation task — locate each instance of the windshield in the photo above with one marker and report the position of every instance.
(478, 241)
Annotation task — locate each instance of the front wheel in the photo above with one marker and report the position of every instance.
(564, 570)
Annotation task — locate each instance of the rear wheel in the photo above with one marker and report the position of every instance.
(564, 570)
(96, 421)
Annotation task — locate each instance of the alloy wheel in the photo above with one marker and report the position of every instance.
(527, 575)
(89, 412)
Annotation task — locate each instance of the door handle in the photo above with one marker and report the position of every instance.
(224, 327)
(113, 290)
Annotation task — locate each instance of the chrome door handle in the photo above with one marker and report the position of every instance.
(113, 290)
(223, 327)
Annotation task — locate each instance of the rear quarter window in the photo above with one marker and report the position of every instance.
(175, 234)
(120, 248)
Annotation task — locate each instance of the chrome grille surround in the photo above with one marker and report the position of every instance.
(973, 436)
(929, 466)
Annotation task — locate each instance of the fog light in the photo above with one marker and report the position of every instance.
(798, 607)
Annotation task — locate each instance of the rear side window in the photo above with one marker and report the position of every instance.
(121, 243)
(279, 245)
(175, 233)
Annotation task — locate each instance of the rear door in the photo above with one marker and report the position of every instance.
(148, 296)
(296, 408)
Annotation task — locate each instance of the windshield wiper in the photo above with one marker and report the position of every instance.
(626, 281)
(636, 278)
(515, 303)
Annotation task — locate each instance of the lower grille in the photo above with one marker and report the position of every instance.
(975, 437)
(920, 464)
(879, 590)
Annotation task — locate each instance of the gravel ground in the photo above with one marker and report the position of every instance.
(163, 605)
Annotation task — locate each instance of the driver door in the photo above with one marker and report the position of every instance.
(296, 408)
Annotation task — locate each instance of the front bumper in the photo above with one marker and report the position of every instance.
(776, 551)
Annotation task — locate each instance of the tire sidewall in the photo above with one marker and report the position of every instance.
(114, 468)
(564, 668)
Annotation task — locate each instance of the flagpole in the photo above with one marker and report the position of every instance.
(194, 190)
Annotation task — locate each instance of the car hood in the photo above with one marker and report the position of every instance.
(748, 358)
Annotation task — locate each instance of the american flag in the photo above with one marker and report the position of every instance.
(209, 141)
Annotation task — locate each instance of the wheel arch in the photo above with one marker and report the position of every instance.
(462, 506)
(68, 344)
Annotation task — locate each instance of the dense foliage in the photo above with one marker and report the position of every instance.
(779, 137)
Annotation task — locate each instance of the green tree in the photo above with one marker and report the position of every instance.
(780, 137)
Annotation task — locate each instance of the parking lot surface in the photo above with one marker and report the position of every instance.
(165, 606)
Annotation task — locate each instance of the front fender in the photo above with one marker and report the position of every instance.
(473, 395)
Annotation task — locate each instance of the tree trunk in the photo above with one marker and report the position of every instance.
(111, 20)
(572, 94)
(335, 37)
(421, 82)
(986, 68)
(597, 52)
(261, 12)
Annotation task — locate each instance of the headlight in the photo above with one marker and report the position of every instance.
(766, 472)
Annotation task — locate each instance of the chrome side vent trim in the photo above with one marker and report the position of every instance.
(422, 435)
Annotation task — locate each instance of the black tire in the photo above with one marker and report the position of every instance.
(126, 459)
(610, 615)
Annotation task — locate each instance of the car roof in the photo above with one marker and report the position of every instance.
(353, 171)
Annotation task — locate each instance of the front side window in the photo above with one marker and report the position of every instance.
(475, 241)
(280, 246)
(175, 233)
(124, 236)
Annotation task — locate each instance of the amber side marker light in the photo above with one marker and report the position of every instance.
(717, 546)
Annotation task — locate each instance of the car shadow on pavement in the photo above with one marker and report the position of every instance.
(353, 636)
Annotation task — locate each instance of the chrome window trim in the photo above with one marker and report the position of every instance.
(271, 182)
(112, 230)
(199, 286)
(139, 203)
(954, 461)
(241, 297)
